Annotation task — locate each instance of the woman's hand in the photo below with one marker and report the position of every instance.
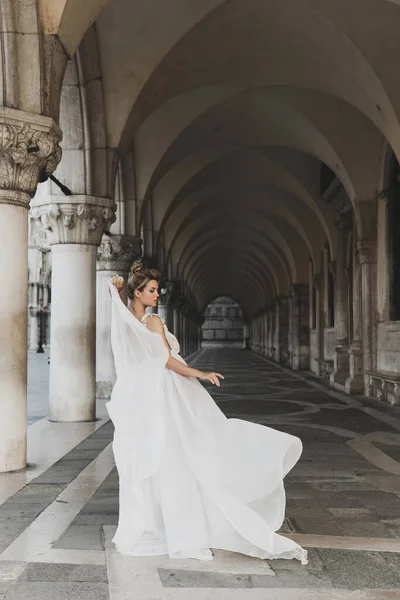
(212, 377)
(118, 282)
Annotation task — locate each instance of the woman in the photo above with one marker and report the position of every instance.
(190, 479)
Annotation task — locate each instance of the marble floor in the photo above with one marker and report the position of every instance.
(58, 517)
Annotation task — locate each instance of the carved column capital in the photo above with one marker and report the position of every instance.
(75, 219)
(29, 153)
(167, 293)
(117, 253)
(366, 250)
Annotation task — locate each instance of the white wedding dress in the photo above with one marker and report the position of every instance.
(190, 478)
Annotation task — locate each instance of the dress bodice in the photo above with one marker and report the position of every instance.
(171, 339)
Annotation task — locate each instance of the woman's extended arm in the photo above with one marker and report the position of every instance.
(119, 283)
(155, 325)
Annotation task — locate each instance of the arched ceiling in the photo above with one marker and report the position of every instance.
(228, 110)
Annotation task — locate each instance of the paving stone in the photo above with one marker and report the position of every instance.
(316, 526)
(5, 586)
(84, 454)
(10, 529)
(362, 529)
(383, 594)
(81, 537)
(101, 505)
(96, 519)
(63, 572)
(357, 570)
(195, 579)
(10, 570)
(58, 591)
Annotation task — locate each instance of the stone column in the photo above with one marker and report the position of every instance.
(29, 152)
(176, 321)
(164, 308)
(246, 335)
(340, 373)
(182, 329)
(115, 256)
(277, 330)
(281, 329)
(271, 332)
(34, 320)
(265, 335)
(74, 227)
(355, 381)
(299, 326)
(367, 257)
(319, 325)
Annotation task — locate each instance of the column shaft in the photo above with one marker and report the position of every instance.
(13, 335)
(73, 333)
(341, 357)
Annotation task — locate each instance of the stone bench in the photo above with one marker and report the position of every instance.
(326, 366)
(386, 384)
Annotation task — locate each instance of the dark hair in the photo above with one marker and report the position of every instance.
(140, 277)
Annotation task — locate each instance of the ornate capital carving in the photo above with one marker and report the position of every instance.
(75, 220)
(117, 253)
(29, 153)
(336, 194)
(366, 251)
(167, 293)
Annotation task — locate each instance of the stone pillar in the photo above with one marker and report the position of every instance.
(299, 326)
(340, 373)
(177, 321)
(34, 319)
(115, 256)
(246, 335)
(74, 227)
(319, 324)
(367, 257)
(29, 152)
(355, 381)
(265, 333)
(164, 308)
(182, 328)
(281, 329)
(271, 333)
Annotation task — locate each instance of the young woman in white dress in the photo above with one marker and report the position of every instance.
(190, 478)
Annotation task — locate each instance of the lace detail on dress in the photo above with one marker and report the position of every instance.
(171, 339)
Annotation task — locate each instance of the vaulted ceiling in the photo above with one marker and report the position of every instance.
(227, 110)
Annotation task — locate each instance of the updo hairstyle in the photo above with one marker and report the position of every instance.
(139, 278)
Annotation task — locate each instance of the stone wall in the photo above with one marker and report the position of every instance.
(223, 325)
(389, 347)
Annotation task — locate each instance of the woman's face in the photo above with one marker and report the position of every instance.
(149, 296)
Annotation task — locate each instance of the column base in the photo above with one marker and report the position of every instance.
(355, 384)
(300, 362)
(341, 370)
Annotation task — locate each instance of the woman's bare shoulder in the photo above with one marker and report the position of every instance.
(154, 323)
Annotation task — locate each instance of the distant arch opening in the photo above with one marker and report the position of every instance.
(223, 324)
